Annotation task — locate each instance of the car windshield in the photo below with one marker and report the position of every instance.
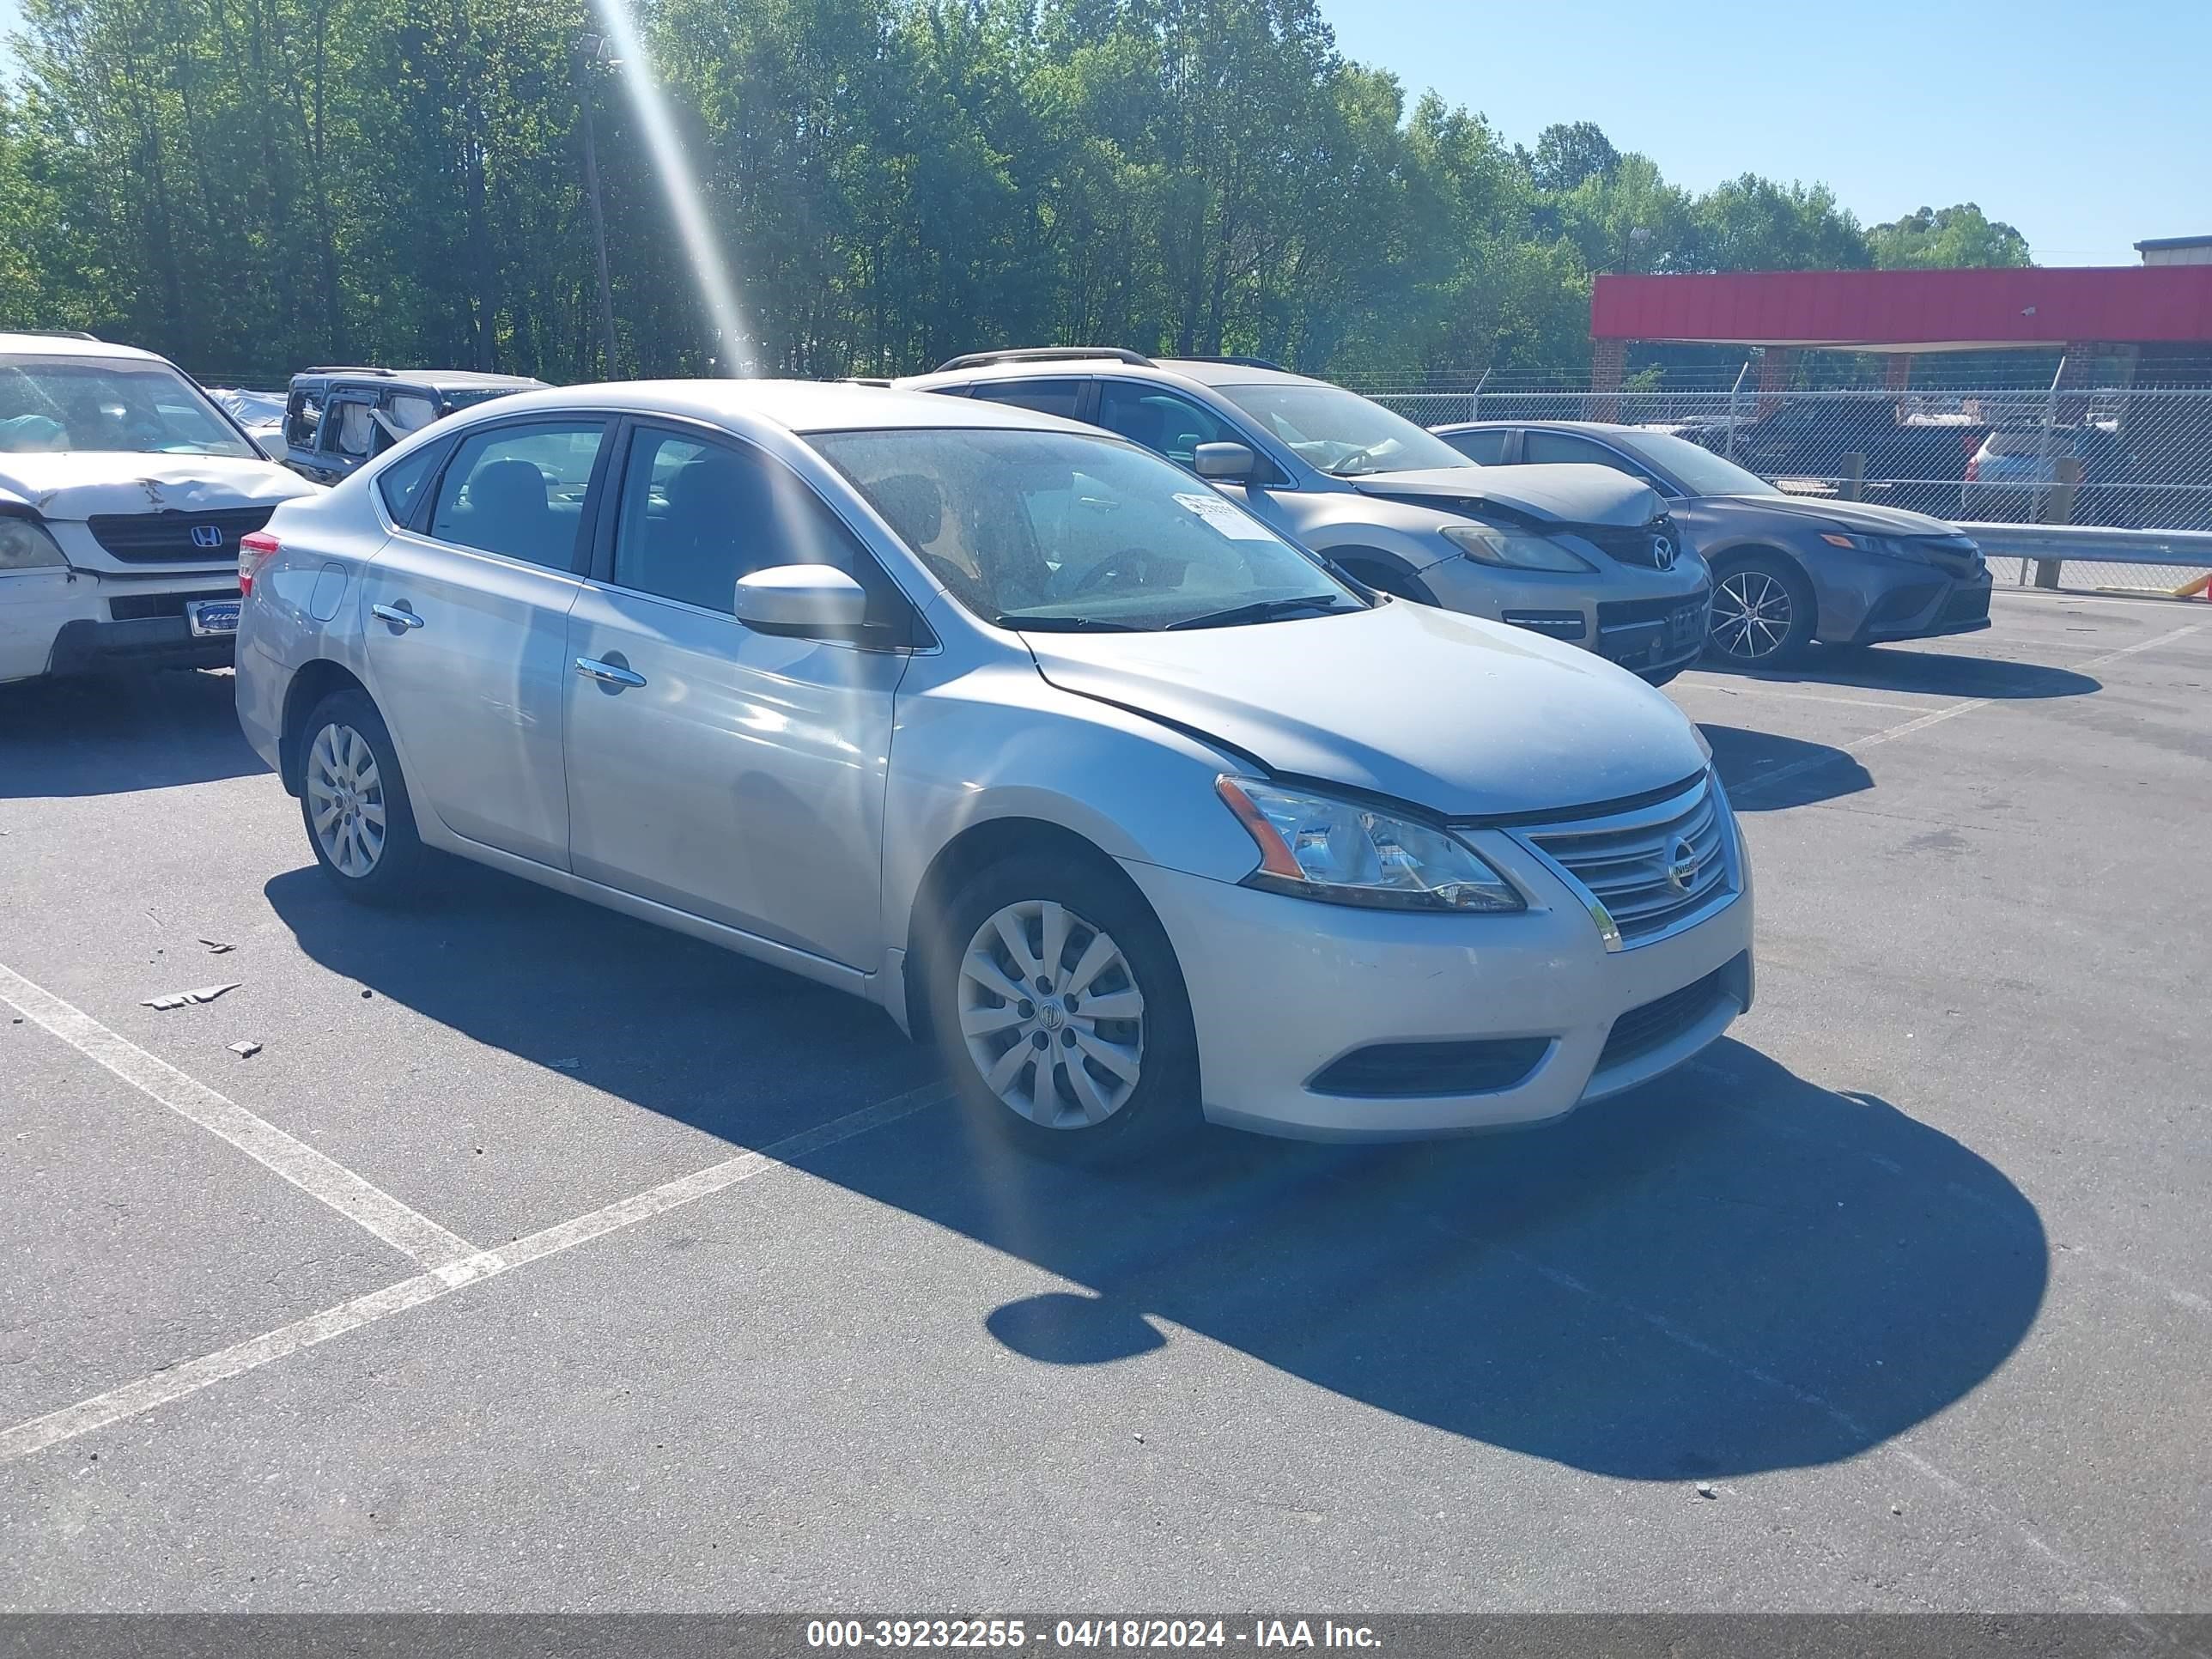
(1339, 431)
(1697, 470)
(1057, 531)
(63, 403)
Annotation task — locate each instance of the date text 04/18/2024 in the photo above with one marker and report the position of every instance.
(1111, 1633)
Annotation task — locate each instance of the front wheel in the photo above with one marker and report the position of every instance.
(1761, 615)
(1059, 1005)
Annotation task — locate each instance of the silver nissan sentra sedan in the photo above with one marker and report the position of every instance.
(1017, 729)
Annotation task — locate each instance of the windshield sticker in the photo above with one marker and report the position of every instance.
(1224, 517)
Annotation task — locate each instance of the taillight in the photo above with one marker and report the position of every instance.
(1973, 468)
(253, 552)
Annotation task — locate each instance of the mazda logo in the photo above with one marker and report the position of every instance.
(1681, 864)
(1662, 553)
(207, 536)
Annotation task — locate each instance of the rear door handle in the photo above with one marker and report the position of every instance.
(607, 673)
(395, 615)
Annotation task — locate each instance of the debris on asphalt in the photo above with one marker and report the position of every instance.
(181, 999)
(366, 995)
(246, 1048)
(217, 947)
(1705, 1489)
(1897, 1509)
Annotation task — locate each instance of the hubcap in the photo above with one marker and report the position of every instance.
(345, 799)
(1052, 1016)
(1751, 615)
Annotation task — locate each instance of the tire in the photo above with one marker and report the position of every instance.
(354, 803)
(1762, 613)
(1083, 1106)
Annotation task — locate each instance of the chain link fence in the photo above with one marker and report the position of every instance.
(2129, 457)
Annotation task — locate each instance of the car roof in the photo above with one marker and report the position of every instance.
(1203, 372)
(798, 406)
(33, 343)
(440, 379)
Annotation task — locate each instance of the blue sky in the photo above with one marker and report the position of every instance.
(2089, 124)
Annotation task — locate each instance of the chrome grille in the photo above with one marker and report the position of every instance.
(1651, 867)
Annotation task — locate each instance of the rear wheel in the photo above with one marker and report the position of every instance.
(1761, 615)
(1060, 1011)
(354, 803)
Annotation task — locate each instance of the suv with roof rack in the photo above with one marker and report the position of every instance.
(1576, 553)
(336, 418)
(123, 491)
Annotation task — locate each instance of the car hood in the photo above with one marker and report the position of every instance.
(1565, 493)
(78, 484)
(1850, 515)
(1469, 718)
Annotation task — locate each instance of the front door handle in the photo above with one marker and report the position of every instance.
(395, 615)
(608, 673)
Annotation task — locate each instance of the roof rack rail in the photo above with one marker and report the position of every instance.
(348, 368)
(1044, 355)
(59, 334)
(1240, 362)
(866, 380)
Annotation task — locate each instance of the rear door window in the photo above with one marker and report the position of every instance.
(401, 483)
(1539, 447)
(1060, 397)
(1485, 448)
(520, 491)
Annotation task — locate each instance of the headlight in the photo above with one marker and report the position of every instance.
(1314, 848)
(1881, 544)
(1515, 549)
(25, 544)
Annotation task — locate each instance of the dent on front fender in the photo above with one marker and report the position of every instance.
(1001, 744)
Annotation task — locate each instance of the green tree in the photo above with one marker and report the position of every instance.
(1950, 236)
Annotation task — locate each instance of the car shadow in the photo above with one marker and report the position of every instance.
(1942, 673)
(1729, 1271)
(1765, 771)
(110, 735)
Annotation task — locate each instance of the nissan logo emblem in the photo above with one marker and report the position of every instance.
(1681, 864)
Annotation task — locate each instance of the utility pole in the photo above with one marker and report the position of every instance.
(590, 52)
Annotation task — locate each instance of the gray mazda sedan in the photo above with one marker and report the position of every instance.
(1787, 570)
(1016, 730)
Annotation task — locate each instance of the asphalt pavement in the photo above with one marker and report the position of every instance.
(542, 1260)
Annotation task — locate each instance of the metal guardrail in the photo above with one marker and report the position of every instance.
(2045, 548)
(2092, 543)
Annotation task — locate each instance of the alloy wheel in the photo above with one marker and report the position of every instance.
(345, 800)
(1752, 614)
(1052, 1015)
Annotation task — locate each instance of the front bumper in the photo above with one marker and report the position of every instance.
(1924, 607)
(62, 622)
(1651, 622)
(1283, 990)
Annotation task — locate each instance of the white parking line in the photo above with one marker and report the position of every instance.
(1767, 780)
(179, 1380)
(407, 1231)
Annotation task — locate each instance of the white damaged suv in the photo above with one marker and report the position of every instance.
(123, 491)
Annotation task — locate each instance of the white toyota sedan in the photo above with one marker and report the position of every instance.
(1017, 729)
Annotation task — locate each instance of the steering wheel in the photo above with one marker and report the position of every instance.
(1125, 568)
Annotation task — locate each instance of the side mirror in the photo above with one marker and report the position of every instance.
(802, 599)
(1230, 463)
